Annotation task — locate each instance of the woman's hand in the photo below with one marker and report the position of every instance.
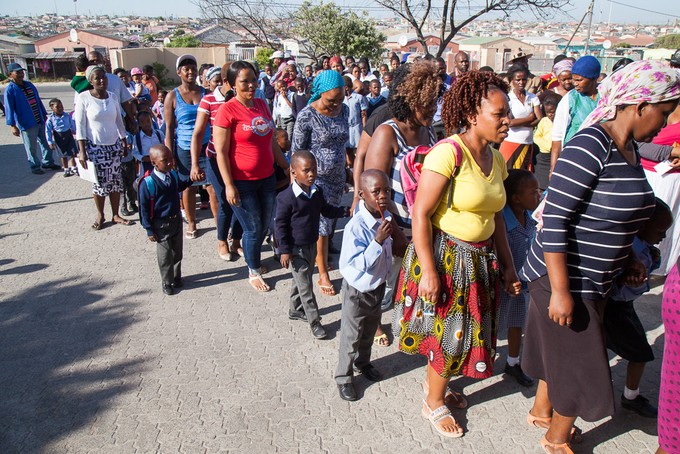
(511, 282)
(82, 157)
(561, 308)
(197, 174)
(429, 287)
(232, 195)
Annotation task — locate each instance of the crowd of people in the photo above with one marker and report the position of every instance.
(483, 203)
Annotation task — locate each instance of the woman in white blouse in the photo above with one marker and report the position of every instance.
(101, 139)
(525, 113)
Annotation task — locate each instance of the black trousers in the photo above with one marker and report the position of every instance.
(169, 247)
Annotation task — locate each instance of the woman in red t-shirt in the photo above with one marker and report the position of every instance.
(246, 150)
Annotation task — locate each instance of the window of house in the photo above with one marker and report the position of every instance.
(58, 49)
(78, 49)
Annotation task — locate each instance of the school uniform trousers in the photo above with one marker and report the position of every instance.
(302, 291)
(360, 318)
(168, 232)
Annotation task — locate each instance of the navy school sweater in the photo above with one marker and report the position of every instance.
(166, 200)
(297, 218)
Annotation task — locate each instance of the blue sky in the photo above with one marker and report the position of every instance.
(619, 13)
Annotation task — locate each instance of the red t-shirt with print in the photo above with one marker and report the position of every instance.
(250, 147)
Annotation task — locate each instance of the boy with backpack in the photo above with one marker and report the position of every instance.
(147, 136)
(159, 214)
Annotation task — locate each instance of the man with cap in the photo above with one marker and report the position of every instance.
(25, 114)
(521, 58)
(675, 60)
(115, 85)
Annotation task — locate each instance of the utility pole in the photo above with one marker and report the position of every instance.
(590, 24)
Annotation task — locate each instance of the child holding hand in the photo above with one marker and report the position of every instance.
(298, 212)
(365, 262)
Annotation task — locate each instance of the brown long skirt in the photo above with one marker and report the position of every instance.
(571, 360)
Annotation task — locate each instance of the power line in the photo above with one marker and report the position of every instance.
(644, 9)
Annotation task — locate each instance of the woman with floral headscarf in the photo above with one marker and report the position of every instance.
(597, 200)
(323, 128)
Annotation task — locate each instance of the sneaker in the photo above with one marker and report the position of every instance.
(132, 206)
(518, 374)
(38, 171)
(74, 171)
(297, 316)
(639, 405)
(124, 211)
(52, 167)
(67, 173)
(318, 331)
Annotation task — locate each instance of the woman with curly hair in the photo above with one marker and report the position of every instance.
(448, 289)
(412, 101)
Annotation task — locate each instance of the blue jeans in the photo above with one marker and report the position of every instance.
(37, 149)
(254, 213)
(225, 214)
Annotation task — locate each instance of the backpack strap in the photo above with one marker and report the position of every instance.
(158, 136)
(138, 141)
(151, 186)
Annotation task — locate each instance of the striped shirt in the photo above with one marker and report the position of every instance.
(29, 92)
(210, 104)
(402, 215)
(596, 203)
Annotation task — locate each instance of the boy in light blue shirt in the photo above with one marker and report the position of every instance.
(365, 262)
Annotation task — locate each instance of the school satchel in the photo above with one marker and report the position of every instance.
(412, 166)
(151, 186)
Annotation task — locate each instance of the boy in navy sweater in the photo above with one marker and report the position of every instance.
(298, 210)
(159, 213)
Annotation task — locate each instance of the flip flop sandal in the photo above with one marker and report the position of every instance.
(451, 398)
(123, 221)
(537, 421)
(377, 340)
(330, 289)
(437, 415)
(258, 278)
(545, 444)
(98, 225)
(190, 234)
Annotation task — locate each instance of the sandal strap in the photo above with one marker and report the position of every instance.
(438, 414)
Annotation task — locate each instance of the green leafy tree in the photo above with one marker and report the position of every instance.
(161, 73)
(622, 46)
(262, 56)
(326, 30)
(184, 41)
(668, 42)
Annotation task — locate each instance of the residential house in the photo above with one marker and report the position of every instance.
(493, 51)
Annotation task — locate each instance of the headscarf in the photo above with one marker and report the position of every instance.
(587, 66)
(651, 81)
(212, 72)
(92, 68)
(325, 81)
(563, 65)
(335, 59)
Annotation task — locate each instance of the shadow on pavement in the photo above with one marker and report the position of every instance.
(38, 206)
(17, 180)
(51, 381)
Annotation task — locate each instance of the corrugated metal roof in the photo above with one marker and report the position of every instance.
(52, 55)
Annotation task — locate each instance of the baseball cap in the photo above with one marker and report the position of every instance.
(277, 54)
(136, 71)
(184, 57)
(15, 67)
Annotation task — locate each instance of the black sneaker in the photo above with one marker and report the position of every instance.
(52, 167)
(178, 282)
(639, 405)
(132, 206)
(297, 316)
(318, 331)
(38, 171)
(518, 374)
(124, 211)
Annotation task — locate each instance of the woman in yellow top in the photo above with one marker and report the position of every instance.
(448, 288)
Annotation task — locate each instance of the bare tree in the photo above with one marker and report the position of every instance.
(262, 22)
(418, 13)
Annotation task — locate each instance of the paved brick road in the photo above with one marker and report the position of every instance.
(93, 357)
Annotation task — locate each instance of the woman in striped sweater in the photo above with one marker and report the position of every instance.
(597, 199)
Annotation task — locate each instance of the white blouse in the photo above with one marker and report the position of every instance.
(522, 134)
(99, 120)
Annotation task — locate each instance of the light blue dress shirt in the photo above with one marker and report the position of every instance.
(364, 263)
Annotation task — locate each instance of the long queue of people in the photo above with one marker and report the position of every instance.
(535, 209)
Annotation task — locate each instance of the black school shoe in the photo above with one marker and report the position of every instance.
(347, 392)
(639, 405)
(318, 331)
(167, 289)
(518, 374)
(178, 282)
(370, 372)
(125, 212)
(297, 316)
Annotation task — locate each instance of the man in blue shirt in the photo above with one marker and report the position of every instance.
(25, 114)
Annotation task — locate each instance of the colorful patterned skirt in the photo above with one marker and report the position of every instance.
(106, 160)
(518, 155)
(458, 334)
